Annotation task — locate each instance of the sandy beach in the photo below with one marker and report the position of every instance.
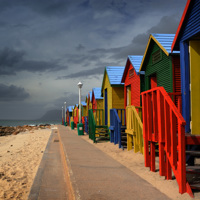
(20, 156)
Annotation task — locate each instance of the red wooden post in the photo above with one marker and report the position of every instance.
(161, 159)
(145, 133)
(173, 138)
(149, 116)
(153, 161)
(161, 132)
(181, 156)
(167, 128)
(168, 170)
(155, 117)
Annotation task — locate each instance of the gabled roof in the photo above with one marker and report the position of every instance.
(164, 41)
(70, 108)
(175, 46)
(135, 61)
(115, 74)
(96, 93)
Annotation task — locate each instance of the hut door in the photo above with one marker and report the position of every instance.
(194, 48)
(128, 91)
(153, 81)
(106, 106)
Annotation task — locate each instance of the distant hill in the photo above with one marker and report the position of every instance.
(52, 115)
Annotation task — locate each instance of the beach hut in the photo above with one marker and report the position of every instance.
(112, 90)
(161, 67)
(75, 115)
(83, 108)
(69, 114)
(97, 99)
(88, 107)
(187, 41)
(131, 80)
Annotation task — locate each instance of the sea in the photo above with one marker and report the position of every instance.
(27, 122)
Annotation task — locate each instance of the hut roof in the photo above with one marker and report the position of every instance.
(70, 108)
(97, 93)
(164, 41)
(135, 61)
(175, 45)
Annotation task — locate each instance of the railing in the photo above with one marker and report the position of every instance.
(117, 120)
(98, 116)
(134, 128)
(160, 119)
(92, 124)
(86, 125)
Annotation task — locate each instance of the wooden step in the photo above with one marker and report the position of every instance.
(193, 153)
(192, 139)
(193, 170)
(195, 186)
(123, 138)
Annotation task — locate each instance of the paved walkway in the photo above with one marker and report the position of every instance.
(50, 183)
(93, 174)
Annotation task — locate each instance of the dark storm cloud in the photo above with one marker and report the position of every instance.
(12, 61)
(47, 7)
(167, 24)
(69, 98)
(84, 73)
(80, 47)
(98, 70)
(12, 93)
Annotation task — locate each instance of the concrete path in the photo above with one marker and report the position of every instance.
(96, 176)
(50, 182)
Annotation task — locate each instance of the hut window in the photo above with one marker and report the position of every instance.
(156, 56)
(131, 72)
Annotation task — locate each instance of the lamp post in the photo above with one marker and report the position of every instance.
(80, 86)
(65, 112)
(62, 115)
(80, 125)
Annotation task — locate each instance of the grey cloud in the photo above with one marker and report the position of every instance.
(70, 98)
(84, 73)
(167, 24)
(12, 61)
(80, 47)
(12, 93)
(81, 58)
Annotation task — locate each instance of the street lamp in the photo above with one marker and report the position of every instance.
(65, 112)
(62, 115)
(80, 125)
(80, 86)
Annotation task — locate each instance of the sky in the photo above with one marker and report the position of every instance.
(48, 46)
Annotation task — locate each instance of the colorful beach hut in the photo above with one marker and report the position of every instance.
(76, 115)
(88, 107)
(69, 114)
(187, 40)
(112, 90)
(131, 80)
(97, 99)
(161, 67)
